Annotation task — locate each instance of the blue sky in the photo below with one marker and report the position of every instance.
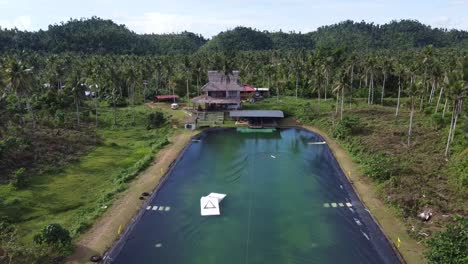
(208, 17)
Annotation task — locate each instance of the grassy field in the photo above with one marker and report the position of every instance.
(82, 190)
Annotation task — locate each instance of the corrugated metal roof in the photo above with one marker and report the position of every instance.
(262, 89)
(257, 113)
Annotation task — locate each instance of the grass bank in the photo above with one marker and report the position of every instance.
(81, 191)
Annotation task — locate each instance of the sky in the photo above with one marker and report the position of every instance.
(209, 17)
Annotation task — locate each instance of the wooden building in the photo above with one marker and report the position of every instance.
(221, 93)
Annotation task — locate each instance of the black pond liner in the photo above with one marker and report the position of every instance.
(380, 246)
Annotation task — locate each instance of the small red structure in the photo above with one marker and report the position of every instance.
(248, 92)
(248, 88)
(162, 98)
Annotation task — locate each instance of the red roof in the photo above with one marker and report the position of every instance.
(165, 97)
(248, 88)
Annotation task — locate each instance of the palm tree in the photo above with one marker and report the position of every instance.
(370, 65)
(95, 94)
(77, 86)
(386, 67)
(400, 71)
(413, 90)
(188, 73)
(440, 94)
(351, 65)
(298, 63)
(458, 88)
(112, 81)
(20, 79)
(131, 79)
(198, 72)
(340, 87)
(318, 81)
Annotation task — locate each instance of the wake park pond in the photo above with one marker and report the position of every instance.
(287, 202)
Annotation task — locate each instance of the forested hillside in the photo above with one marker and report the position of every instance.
(99, 36)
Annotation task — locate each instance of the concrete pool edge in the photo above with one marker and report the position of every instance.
(389, 224)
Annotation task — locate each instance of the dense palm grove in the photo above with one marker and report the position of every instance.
(60, 80)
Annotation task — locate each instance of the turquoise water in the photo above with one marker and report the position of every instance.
(281, 192)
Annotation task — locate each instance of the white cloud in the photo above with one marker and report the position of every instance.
(450, 22)
(155, 22)
(21, 22)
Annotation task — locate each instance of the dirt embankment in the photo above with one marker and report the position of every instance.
(104, 232)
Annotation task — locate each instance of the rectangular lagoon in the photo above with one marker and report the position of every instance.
(287, 202)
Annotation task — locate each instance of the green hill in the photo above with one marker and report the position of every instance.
(101, 36)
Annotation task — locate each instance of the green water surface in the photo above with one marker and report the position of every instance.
(278, 186)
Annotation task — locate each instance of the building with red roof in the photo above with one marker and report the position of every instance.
(248, 92)
(162, 98)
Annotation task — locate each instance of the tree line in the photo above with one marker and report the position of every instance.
(101, 36)
(37, 87)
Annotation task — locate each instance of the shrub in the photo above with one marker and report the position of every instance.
(120, 101)
(346, 127)
(306, 112)
(155, 120)
(53, 235)
(451, 245)
(438, 121)
(19, 178)
(380, 167)
(8, 145)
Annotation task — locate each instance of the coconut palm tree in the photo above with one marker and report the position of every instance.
(400, 71)
(75, 82)
(351, 64)
(131, 80)
(385, 65)
(340, 87)
(19, 78)
(188, 74)
(413, 91)
(457, 85)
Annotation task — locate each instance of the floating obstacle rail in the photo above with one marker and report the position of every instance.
(255, 130)
(317, 143)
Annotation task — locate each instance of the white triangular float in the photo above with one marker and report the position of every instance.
(209, 205)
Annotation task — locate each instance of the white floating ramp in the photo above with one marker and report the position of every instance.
(317, 143)
(219, 196)
(209, 205)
